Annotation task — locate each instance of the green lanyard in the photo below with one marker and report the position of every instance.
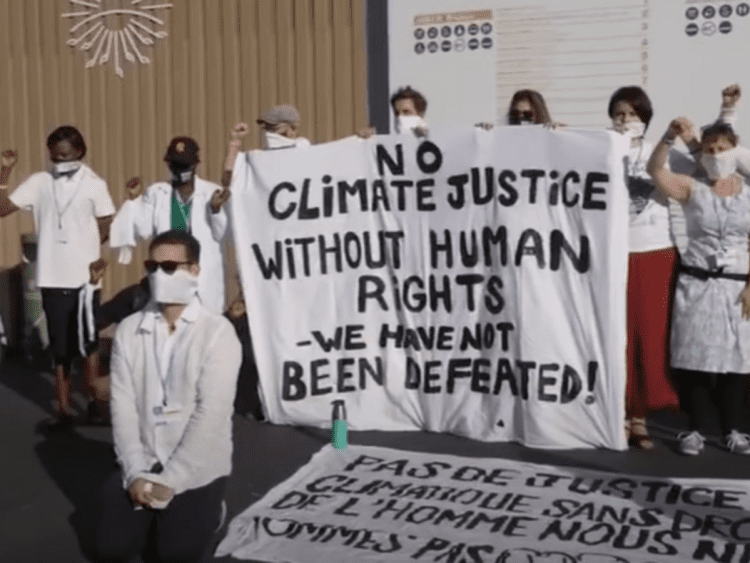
(180, 214)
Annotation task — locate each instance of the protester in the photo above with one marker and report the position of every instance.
(711, 327)
(174, 376)
(186, 203)
(247, 402)
(409, 109)
(651, 272)
(527, 107)
(279, 128)
(72, 213)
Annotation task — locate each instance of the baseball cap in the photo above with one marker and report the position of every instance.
(280, 114)
(182, 150)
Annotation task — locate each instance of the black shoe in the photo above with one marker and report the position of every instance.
(94, 417)
(61, 422)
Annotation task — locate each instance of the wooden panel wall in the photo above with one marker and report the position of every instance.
(223, 61)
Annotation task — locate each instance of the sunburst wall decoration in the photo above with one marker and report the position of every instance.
(111, 32)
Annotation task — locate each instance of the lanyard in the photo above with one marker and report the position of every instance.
(181, 207)
(164, 351)
(56, 187)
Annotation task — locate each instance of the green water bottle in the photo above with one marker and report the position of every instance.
(338, 430)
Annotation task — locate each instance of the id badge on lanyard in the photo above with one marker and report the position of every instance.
(61, 233)
(165, 412)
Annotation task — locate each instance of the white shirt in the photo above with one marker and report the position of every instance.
(65, 211)
(649, 208)
(151, 214)
(195, 444)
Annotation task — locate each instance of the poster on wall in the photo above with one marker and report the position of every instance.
(463, 283)
(468, 57)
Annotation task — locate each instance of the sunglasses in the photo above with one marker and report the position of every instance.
(518, 115)
(169, 266)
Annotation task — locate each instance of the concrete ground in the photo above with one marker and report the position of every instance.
(50, 481)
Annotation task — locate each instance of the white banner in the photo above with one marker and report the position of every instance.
(472, 283)
(383, 505)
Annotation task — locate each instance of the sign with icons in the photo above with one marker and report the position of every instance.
(712, 18)
(452, 27)
(468, 57)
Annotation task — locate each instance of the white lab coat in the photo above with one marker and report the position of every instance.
(151, 214)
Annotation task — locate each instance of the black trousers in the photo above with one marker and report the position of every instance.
(183, 532)
(701, 392)
(61, 308)
(247, 400)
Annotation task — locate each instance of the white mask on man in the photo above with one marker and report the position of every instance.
(178, 287)
(276, 141)
(721, 165)
(66, 167)
(406, 123)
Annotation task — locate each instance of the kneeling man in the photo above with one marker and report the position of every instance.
(174, 376)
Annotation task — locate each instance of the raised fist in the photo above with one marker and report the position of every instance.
(730, 95)
(240, 130)
(134, 188)
(9, 158)
(96, 271)
(219, 198)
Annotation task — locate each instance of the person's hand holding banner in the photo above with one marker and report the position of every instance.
(366, 133)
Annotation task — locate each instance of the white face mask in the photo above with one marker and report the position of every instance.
(720, 165)
(631, 129)
(182, 177)
(406, 123)
(276, 141)
(66, 167)
(179, 287)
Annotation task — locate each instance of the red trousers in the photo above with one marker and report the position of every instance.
(651, 279)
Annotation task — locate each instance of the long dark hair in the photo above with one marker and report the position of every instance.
(720, 129)
(541, 114)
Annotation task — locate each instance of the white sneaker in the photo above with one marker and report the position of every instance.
(691, 443)
(738, 443)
